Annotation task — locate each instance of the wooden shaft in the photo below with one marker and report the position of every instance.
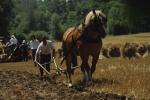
(42, 67)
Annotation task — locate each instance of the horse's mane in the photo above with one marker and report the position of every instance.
(91, 16)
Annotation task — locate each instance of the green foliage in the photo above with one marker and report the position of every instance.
(54, 26)
(21, 37)
(118, 22)
(138, 15)
(55, 16)
(5, 16)
(39, 35)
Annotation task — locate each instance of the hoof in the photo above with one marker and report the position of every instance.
(72, 71)
(90, 83)
(69, 85)
(58, 73)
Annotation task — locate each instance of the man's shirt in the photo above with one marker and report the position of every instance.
(45, 49)
(34, 44)
(13, 41)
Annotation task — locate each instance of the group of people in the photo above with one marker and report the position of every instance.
(42, 51)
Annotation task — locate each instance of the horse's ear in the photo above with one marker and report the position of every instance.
(84, 20)
(94, 12)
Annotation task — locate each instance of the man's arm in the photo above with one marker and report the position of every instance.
(37, 52)
(53, 49)
(30, 44)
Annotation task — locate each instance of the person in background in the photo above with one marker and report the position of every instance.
(24, 50)
(34, 43)
(12, 43)
(13, 40)
(45, 51)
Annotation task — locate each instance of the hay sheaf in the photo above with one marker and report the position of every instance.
(142, 49)
(128, 50)
(111, 50)
(135, 50)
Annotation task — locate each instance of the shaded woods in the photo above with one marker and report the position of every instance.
(24, 17)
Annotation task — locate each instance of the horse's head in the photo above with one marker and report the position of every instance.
(95, 22)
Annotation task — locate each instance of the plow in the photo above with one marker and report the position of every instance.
(58, 69)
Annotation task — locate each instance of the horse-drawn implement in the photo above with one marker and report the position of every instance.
(57, 68)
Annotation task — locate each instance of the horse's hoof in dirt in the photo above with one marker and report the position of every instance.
(41, 78)
(72, 71)
(90, 82)
(58, 73)
(69, 85)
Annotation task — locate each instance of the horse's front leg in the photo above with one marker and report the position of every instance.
(85, 77)
(85, 68)
(94, 62)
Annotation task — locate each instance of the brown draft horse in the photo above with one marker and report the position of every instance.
(84, 40)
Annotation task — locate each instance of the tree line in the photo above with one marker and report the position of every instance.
(53, 17)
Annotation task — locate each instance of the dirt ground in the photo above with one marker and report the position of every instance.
(24, 85)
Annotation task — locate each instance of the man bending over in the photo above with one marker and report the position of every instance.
(45, 50)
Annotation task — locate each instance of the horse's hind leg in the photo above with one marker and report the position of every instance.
(74, 59)
(83, 71)
(68, 64)
(73, 62)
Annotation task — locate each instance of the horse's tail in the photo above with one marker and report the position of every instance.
(64, 48)
(72, 51)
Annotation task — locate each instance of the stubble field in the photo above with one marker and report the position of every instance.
(114, 79)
